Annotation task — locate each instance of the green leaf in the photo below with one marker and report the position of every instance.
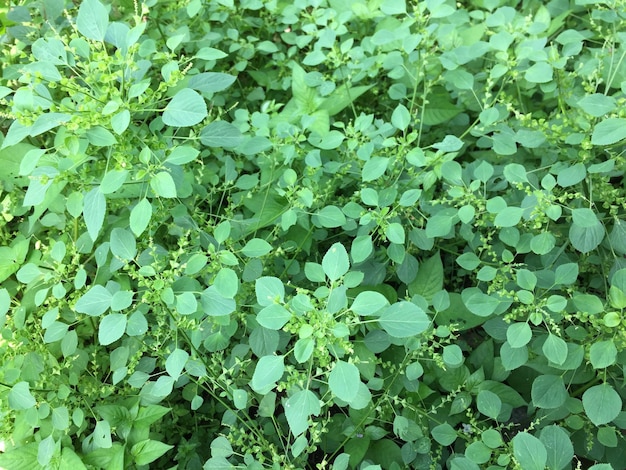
(572, 175)
(597, 104)
(140, 216)
(331, 217)
(515, 173)
(268, 371)
(369, 303)
(540, 72)
(181, 155)
(395, 233)
(479, 303)
(603, 354)
(609, 131)
(602, 404)
(559, 446)
(94, 209)
(404, 319)
(269, 290)
(529, 451)
(123, 244)
(22, 458)
(92, 20)
(112, 328)
(543, 243)
(519, 334)
(586, 239)
(211, 82)
(175, 362)
(444, 434)
(186, 303)
(215, 304)
(401, 118)
(508, 217)
(148, 451)
(273, 317)
(94, 302)
(548, 391)
(512, 358)
(374, 168)
(584, 217)
(489, 404)
(113, 180)
(221, 134)
(226, 283)
(361, 248)
(163, 185)
(336, 262)
(20, 397)
(555, 349)
(256, 247)
(187, 108)
(298, 408)
(344, 381)
(429, 278)
(566, 273)
(450, 143)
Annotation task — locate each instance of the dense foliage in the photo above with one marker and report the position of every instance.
(369, 234)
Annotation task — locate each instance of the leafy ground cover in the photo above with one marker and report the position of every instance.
(370, 234)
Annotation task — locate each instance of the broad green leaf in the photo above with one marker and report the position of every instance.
(603, 354)
(148, 451)
(609, 131)
(566, 273)
(95, 301)
(22, 458)
(450, 143)
(559, 446)
(120, 121)
(20, 397)
(344, 381)
(268, 371)
(361, 248)
(94, 209)
(401, 118)
(181, 155)
(540, 72)
(452, 356)
(175, 362)
(584, 217)
(548, 391)
(512, 358)
(113, 180)
(221, 134)
(508, 217)
(374, 168)
(298, 408)
(586, 239)
(211, 82)
(518, 334)
(226, 283)
(515, 173)
(571, 175)
(215, 304)
(269, 290)
(369, 303)
(395, 233)
(404, 319)
(489, 404)
(555, 349)
(479, 303)
(256, 248)
(186, 303)
(187, 108)
(529, 451)
(331, 217)
(602, 404)
(140, 216)
(597, 104)
(92, 20)
(123, 244)
(444, 434)
(429, 278)
(111, 328)
(163, 185)
(221, 447)
(336, 262)
(543, 243)
(273, 317)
